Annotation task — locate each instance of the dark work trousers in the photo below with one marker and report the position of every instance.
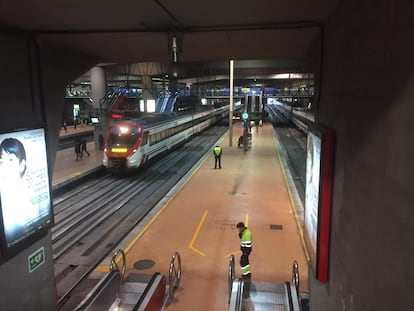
(244, 262)
(217, 161)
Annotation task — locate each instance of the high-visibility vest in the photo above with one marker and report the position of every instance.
(217, 151)
(246, 239)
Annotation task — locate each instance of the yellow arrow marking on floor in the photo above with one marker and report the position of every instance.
(196, 234)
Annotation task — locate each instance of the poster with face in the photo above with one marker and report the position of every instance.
(25, 203)
(318, 195)
(312, 190)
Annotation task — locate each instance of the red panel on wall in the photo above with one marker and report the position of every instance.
(319, 181)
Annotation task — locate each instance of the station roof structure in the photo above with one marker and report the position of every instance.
(264, 37)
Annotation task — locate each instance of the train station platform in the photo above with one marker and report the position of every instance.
(67, 169)
(198, 220)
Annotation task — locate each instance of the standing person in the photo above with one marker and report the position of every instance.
(217, 156)
(83, 146)
(246, 244)
(78, 149)
(240, 141)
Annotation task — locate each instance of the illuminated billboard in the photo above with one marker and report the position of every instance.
(319, 179)
(25, 202)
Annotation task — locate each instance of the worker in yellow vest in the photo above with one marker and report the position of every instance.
(246, 244)
(217, 156)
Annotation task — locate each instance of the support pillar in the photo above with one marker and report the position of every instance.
(98, 86)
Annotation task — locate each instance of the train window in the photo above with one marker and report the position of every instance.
(144, 138)
(123, 137)
(157, 137)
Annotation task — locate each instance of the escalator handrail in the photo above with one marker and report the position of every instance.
(174, 274)
(95, 293)
(145, 294)
(239, 295)
(295, 275)
(231, 273)
(113, 266)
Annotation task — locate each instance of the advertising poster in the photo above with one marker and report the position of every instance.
(319, 180)
(25, 203)
(312, 190)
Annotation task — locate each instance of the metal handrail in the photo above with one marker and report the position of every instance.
(174, 274)
(295, 275)
(114, 263)
(231, 273)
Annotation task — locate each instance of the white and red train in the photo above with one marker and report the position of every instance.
(131, 143)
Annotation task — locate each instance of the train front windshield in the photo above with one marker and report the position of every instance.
(123, 137)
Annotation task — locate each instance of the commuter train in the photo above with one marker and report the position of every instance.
(132, 143)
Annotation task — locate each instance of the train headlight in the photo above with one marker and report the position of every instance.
(124, 129)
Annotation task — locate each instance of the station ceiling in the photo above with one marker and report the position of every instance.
(264, 37)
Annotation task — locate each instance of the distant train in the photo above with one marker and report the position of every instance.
(132, 143)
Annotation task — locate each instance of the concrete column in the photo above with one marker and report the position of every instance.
(261, 101)
(98, 86)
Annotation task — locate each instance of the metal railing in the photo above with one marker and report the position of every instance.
(174, 274)
(295, 275)
(231, 274)
(113, 266)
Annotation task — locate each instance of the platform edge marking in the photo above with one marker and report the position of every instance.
(292, 201)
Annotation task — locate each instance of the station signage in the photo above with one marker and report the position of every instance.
(36, 259)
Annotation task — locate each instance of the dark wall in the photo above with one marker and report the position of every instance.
(32, 89)
(367, 97)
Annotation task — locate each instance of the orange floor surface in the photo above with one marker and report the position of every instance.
(199, 220)
(199, 223)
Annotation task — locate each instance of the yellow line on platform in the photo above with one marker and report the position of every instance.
(295, 212)
(102, 269)
(196, 234)
(139, 235)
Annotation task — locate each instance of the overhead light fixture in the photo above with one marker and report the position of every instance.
(174, 48)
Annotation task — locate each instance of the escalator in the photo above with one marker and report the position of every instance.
(166, 104)
(246, 295)
(137, 292)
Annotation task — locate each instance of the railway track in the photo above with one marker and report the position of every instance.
(93, 217)
(294, 145)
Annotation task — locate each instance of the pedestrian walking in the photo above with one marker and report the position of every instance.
(78, 150)
(246, 244)
(83, 146)
(217, 156)
(240, 141)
